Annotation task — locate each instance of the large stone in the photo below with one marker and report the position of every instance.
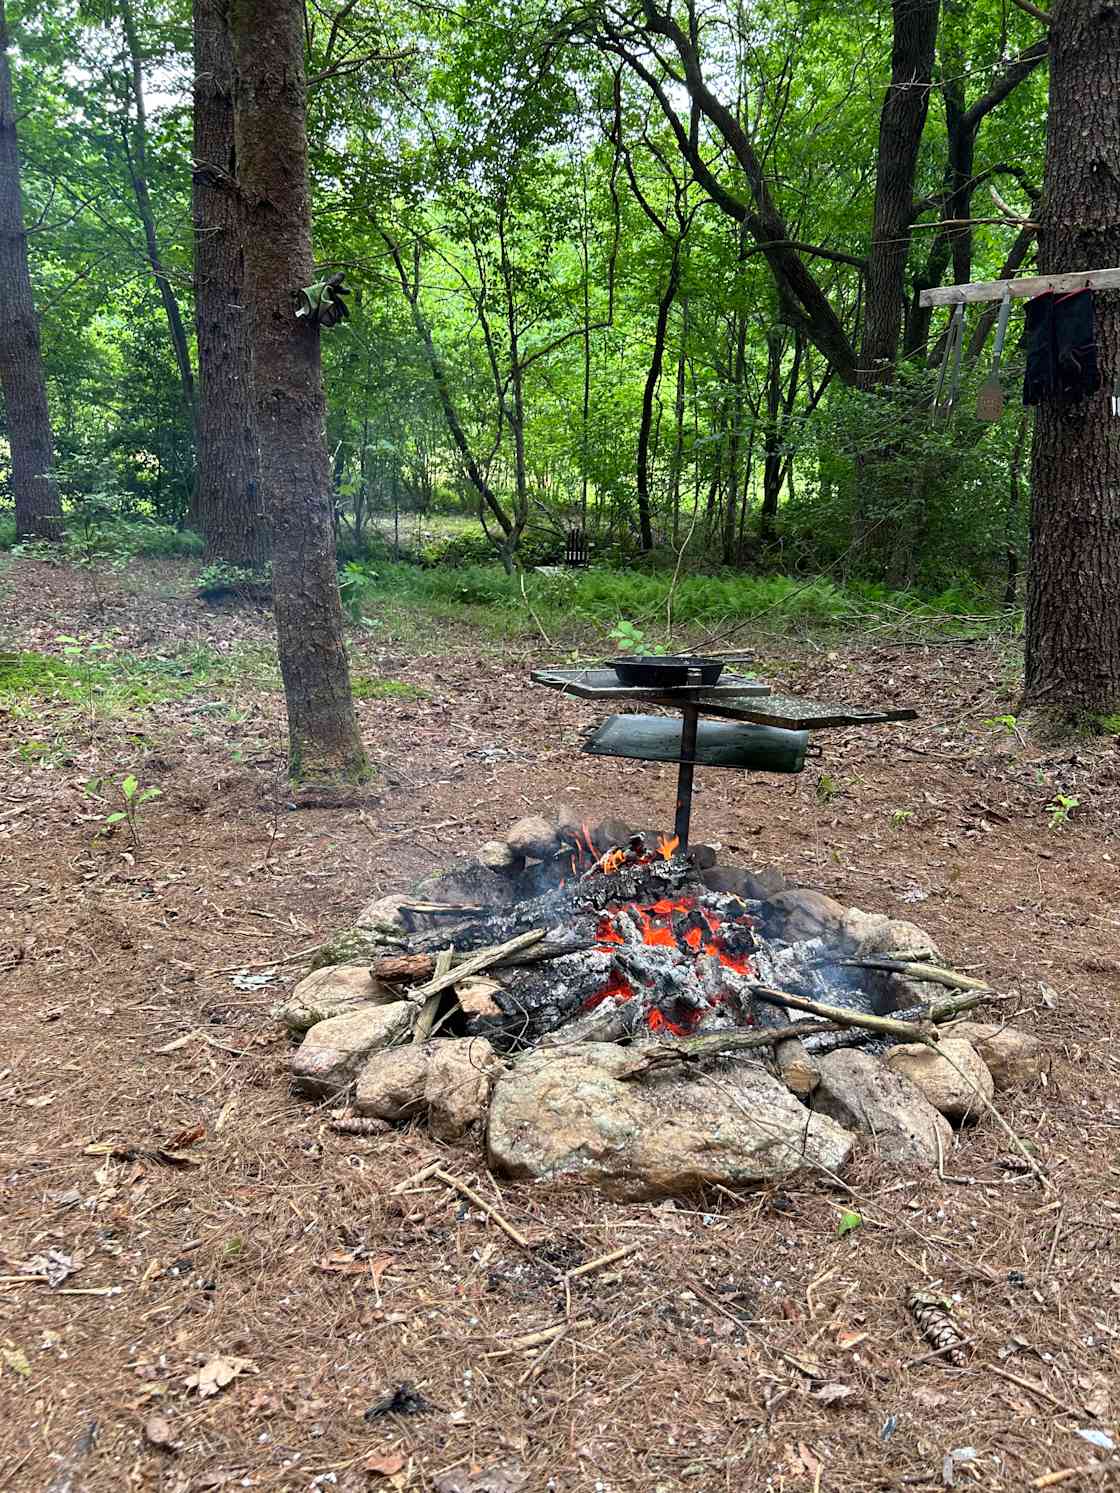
(457, 1088)
(564, 1113)
(1011, 1056)
(334, 991)
(533, 838)
(798, 915)
(385, 912)
(334, 1051)
(391, 1083)
(858, 1091)
(356, 946)
(951, 1078)
(496, 855)
(737, 881)
(867, 934)
(464, 884)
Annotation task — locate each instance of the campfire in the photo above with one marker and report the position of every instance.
(570, 989)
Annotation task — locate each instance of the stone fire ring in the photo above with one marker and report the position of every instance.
(566, 1104)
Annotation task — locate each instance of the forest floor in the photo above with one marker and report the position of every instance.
(744, 1344)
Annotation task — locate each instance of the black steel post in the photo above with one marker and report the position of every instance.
(690, 720)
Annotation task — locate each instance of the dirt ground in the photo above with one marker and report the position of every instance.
(743, 1343)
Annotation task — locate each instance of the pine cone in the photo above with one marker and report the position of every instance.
(359, 1125)
(936, 1324)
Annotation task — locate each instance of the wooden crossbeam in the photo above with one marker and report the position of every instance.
(992, 290)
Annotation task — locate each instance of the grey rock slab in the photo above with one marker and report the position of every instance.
(565, 1114)
(952, 1078)
(333, 1052)
(335, 991)
(861, 1093)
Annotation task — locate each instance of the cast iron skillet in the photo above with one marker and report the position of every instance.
(668, 672)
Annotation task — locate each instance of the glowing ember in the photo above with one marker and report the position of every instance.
(705, 960)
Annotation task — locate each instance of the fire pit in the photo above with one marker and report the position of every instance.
(609, 1004)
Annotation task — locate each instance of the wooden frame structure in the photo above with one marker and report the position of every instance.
(1032, 285)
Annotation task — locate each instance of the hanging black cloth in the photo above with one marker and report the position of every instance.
(1061, 349)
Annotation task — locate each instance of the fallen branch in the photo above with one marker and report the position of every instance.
(608, 1259)
(404, 968)
(900, 1026)
(714, 1045)
(912, 969)
(484, 959)
(480, 1202)
(425, 1021)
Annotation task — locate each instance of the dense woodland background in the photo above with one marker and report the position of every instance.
(616, 346)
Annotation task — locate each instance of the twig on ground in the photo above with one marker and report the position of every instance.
(1038, 1389)
(608, 1259)
(1067, 1474)
(480, 1202)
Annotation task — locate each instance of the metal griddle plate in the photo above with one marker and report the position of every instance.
(604, 684)
(657, 738)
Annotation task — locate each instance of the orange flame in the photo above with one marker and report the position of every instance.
(666, 845)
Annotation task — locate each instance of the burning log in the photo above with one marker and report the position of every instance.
(403, 969)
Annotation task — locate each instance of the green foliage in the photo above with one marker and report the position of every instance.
(848, 1223)
(1060, 808)
(134, 798)
(365, 687)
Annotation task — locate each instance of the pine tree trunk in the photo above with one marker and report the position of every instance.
(653, 378)
(22, 379)
(1073, 622)
(228, 506)
(271, 140)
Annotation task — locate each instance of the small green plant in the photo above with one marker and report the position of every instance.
(827, 788)
(1060, 808)
(899, 817)
(218, 577)
(849, 1221)
(134, 798)
(630, 639)
(1006, 723)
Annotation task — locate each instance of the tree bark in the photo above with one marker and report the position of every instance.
(228, 507)
(901, 124)
(653, 378)
(1073, 623)
(22, 378)
(271, 141)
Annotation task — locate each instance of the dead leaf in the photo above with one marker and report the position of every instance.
(386, 1465)
(16, 1359)
(219, 1371)
(850, 1339)
(834, 1394)
(187, 1137)
(476, 995)
(158, 1432)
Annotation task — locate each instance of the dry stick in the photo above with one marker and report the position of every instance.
(609, 1259)
(538, 1363)
(1034, 1388)
(914, 970)
(423, 1028)
(480, 1202)
(714, 1044)
(964, 1342)
(1067, 1474)
(526, 1340)
(484, 959)
(886, 1026)
(404, 967)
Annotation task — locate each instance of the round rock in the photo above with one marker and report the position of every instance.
(951, 1078)
(533, 838)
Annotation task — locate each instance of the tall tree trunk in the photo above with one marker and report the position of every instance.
(1073, 623)
(228, 506)
(653, 378)
(730, 546)
(22, 379)
(901, 124)
(136, 156)
(271, 125)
